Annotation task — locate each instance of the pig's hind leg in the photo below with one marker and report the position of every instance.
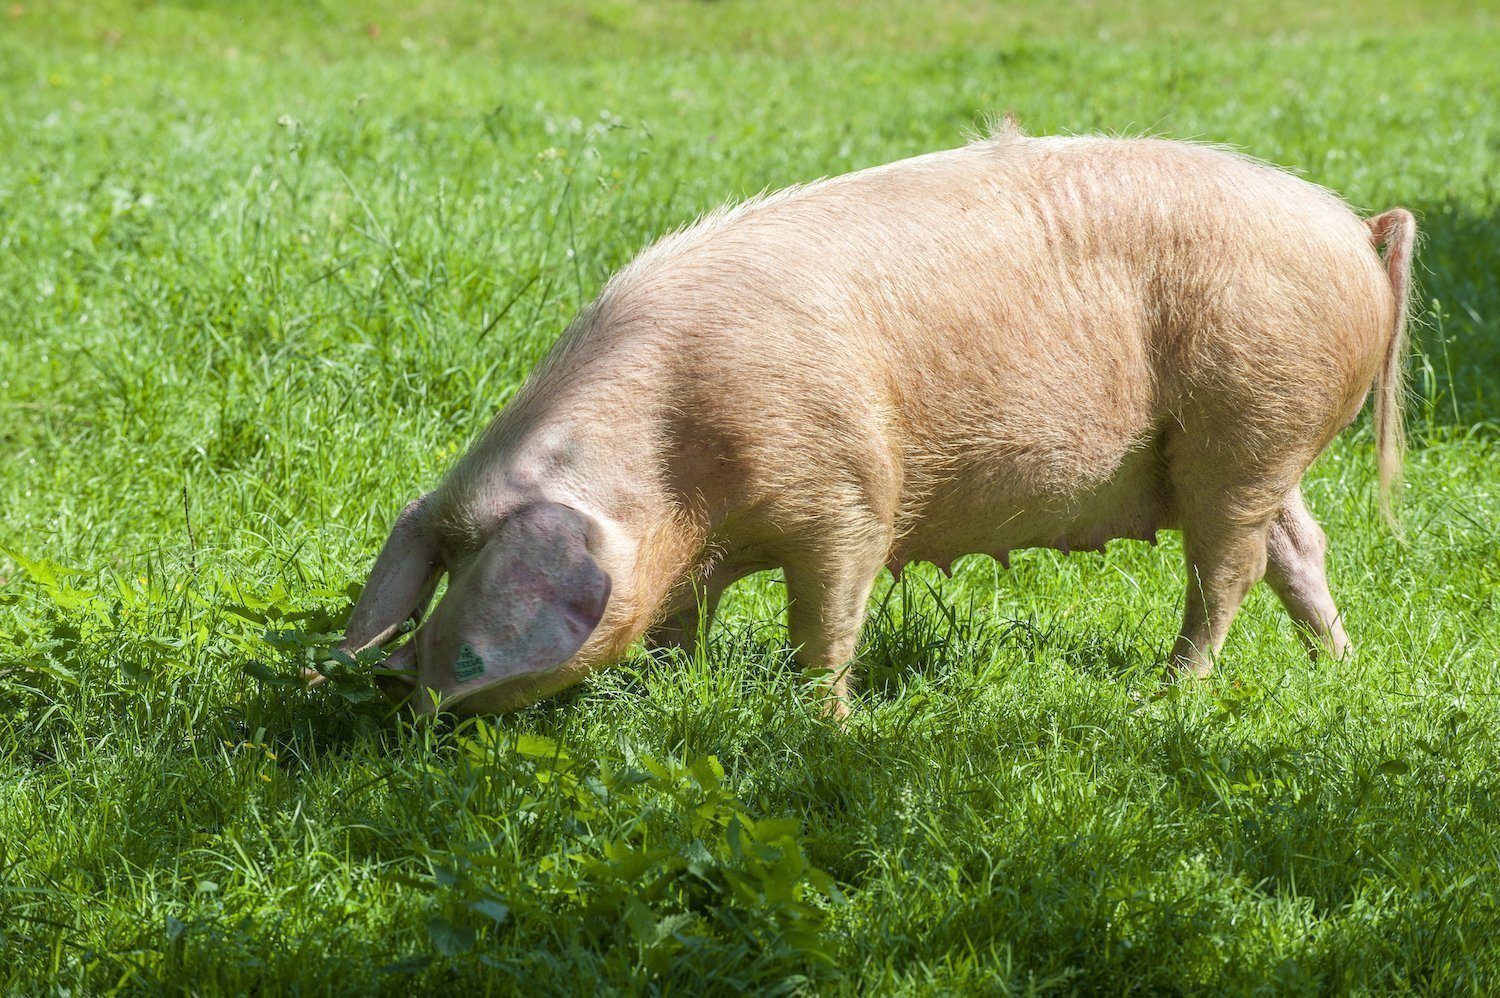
(1223, 563)
(1225, 521)
(1296, 572)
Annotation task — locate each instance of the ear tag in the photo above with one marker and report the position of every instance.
(469, 665)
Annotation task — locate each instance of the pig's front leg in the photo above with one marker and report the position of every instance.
(687, 627)
(827, 598)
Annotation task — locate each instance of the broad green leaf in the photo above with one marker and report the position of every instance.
(450, 939)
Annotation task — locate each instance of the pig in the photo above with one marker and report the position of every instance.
(1021, 342)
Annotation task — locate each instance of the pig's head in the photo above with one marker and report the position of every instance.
(518, 606)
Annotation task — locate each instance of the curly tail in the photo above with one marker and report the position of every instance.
(1397, 231)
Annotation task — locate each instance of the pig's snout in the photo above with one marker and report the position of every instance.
(396, 677)
(515, 610)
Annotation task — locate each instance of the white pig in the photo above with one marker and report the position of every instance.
(1023, 342)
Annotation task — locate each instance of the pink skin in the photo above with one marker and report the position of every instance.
(1019, 343)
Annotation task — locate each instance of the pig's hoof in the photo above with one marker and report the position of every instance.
(398, 689)
(1184, 668)
(835, 708)
(1179, 677)
(1325, 648)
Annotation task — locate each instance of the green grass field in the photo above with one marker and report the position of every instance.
(266, 269)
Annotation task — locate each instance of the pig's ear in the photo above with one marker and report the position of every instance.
(525, 604)
(405, 574)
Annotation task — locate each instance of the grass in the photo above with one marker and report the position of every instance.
(265, 271)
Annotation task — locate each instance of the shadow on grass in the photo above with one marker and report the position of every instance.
(1455, 351)
(916, 630)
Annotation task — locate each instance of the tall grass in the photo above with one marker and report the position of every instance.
(264, 272)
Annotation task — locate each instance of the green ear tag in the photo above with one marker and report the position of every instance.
(469, 665)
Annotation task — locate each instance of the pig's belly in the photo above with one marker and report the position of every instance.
(978, 513)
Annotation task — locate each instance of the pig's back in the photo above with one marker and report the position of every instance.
(1014, 325)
